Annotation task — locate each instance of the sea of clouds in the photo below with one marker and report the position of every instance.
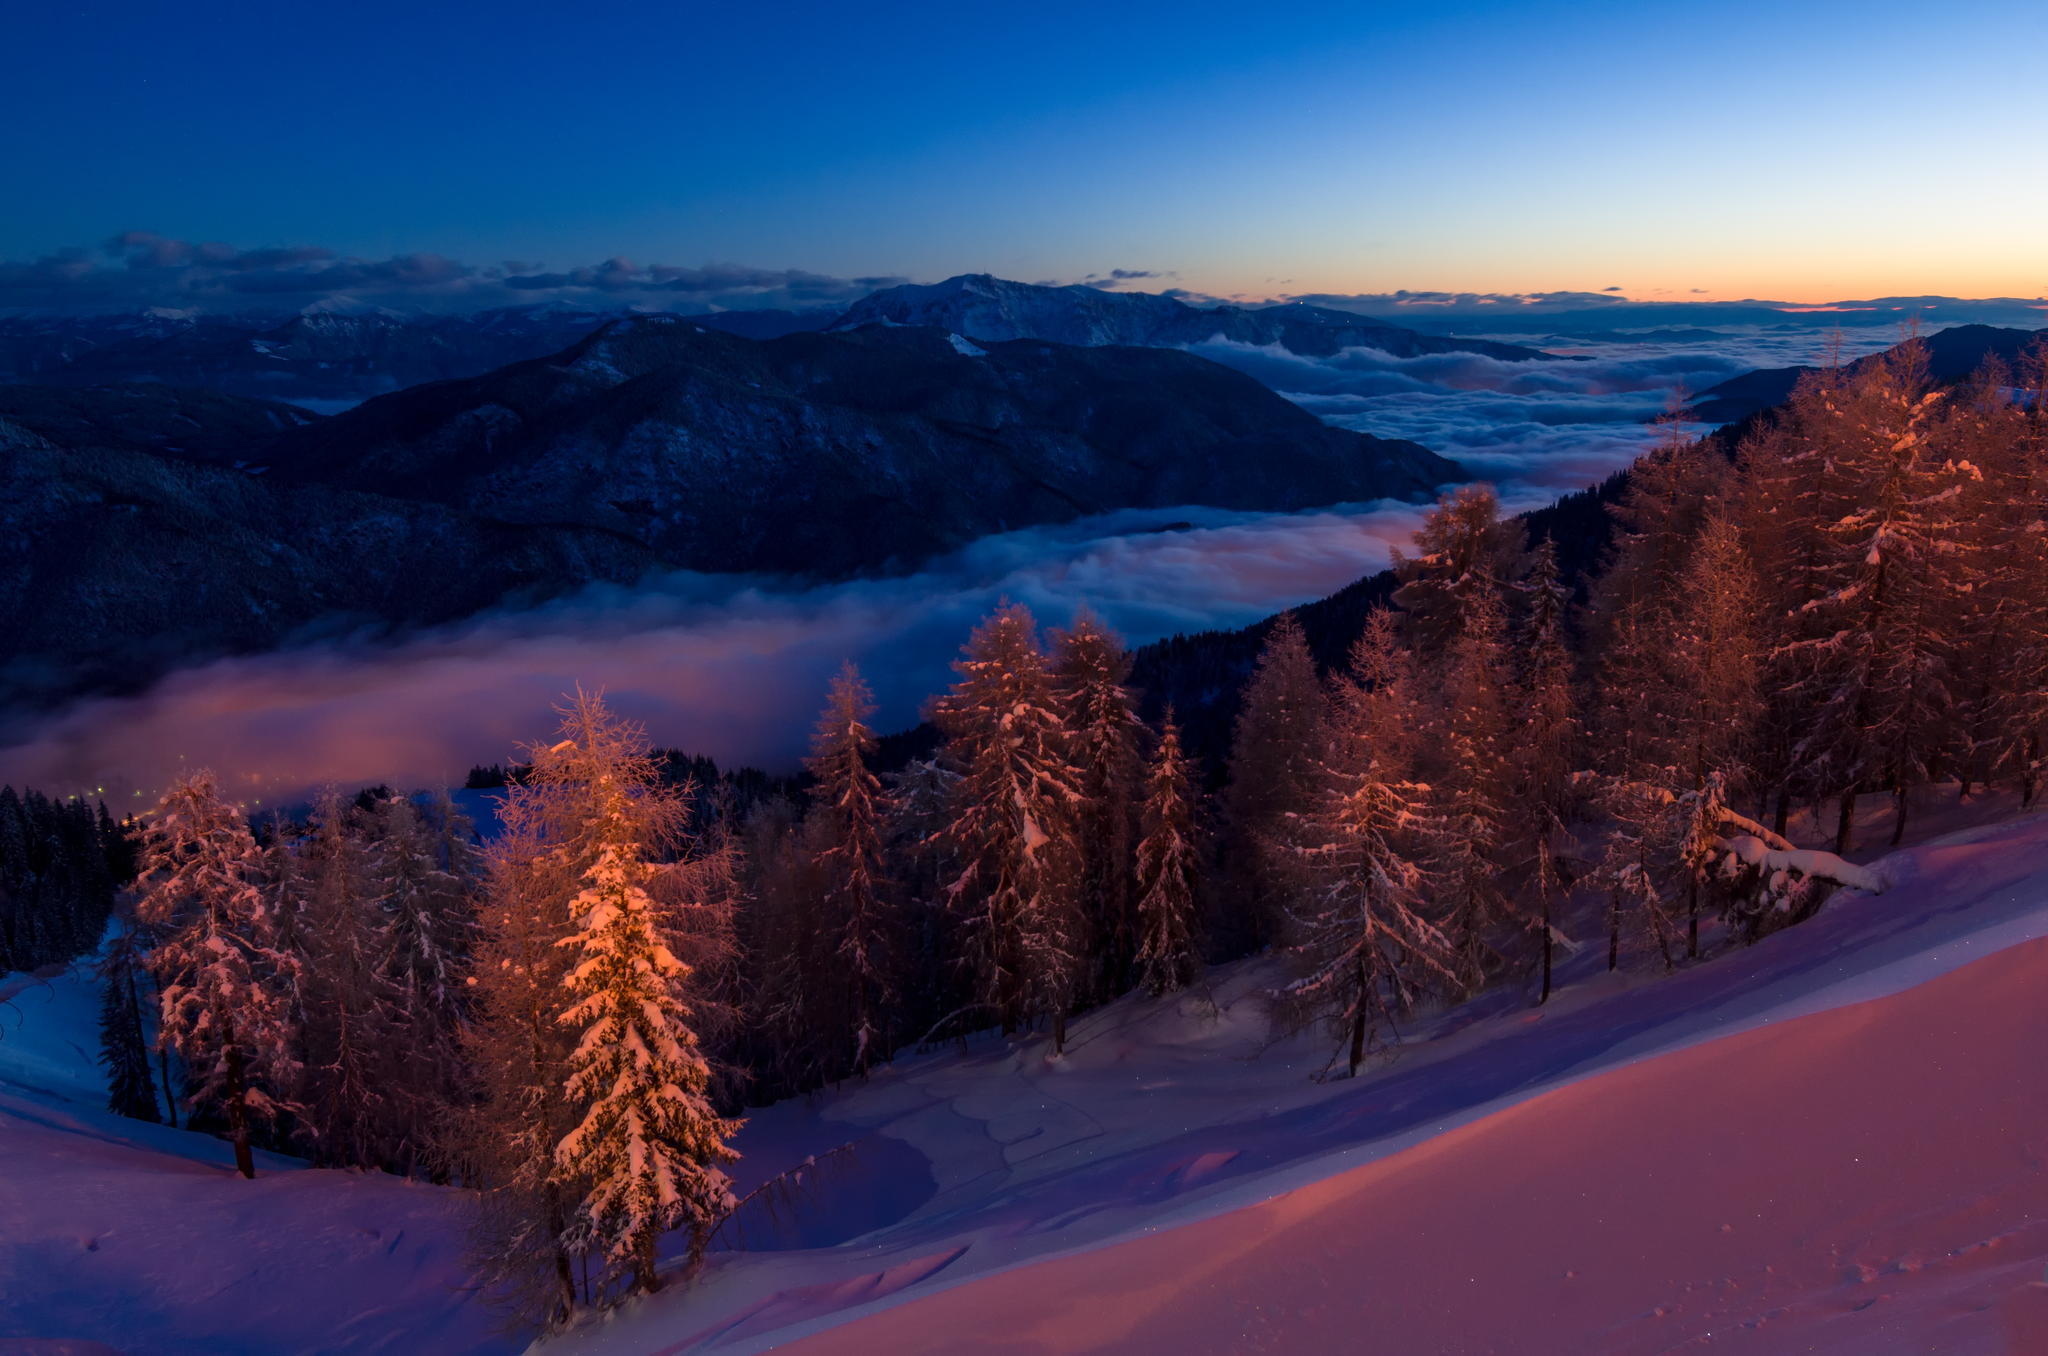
(735, 667)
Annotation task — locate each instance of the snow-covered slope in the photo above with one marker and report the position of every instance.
(1832, 1141)
(118, 1236)
(1867, 1125)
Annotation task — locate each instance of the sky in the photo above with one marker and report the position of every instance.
(1804, 152)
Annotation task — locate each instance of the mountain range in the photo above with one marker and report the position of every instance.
(989, 308)
(146, 527)
(330, 357)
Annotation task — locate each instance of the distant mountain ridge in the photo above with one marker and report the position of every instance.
(993, 309)
(143, 528)
(333, 356)
(325, 357)
(826, 454)
(1952, 355)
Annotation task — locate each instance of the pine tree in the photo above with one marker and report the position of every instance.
(1169, 868)
(848, 859)
(647, 1148)
(124, 1036)
(1092, 668)
(223, 984)
(1013, 828)
(1275, 751)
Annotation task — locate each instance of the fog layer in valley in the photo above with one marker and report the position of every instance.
(736, 667)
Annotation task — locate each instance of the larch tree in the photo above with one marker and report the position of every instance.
(1876, 673)
(1358, 933)
(1276, 748)
(1542, 757)
(1469, 778)
(646, 1147)
(1169, 868)
(516, 1056)
(1013, 828)
(849, 830)
(1709, 699)
(222, 983)
(1464, 555)
(354, 1039)
(423, 877)
(1091, 668)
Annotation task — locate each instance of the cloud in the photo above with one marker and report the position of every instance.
(137, 269)
(731, 667)
(1537, 428)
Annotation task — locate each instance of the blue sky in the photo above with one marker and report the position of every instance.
(1801, 151)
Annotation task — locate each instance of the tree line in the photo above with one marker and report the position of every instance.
(573, 1018)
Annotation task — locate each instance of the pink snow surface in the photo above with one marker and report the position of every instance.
(119, 1238)
(1861, 1180)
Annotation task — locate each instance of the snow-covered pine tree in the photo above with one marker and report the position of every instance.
(1356, 928)
(1012, 832)
(124, 1035)
(1169, 868)
(1091, 667)
(223, 985)
(1276, 748)
(847, 854)
(647, 1148)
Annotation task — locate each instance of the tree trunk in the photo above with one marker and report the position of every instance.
(1358, 1023)
(1614, 931)
(1783, 815)
(1899, 797)
(1692, 919)
(565, 1277)
(646, 1280)
(1544, 997)
(1059, 1031)
(238, 1110)
(1845, 823)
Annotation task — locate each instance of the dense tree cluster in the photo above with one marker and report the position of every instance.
(61, 863)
